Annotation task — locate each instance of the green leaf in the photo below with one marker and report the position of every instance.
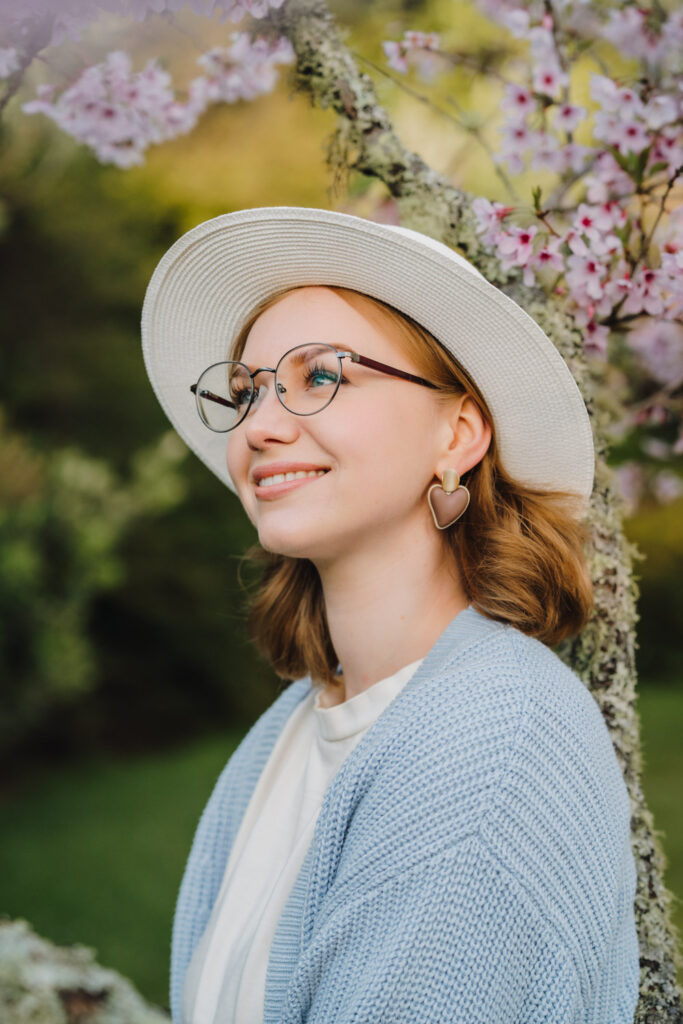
(641, 163)
(625, 162)
(623, 233)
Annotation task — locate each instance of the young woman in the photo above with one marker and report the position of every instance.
(430, 822)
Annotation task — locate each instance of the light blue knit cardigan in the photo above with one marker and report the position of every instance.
(471, 862)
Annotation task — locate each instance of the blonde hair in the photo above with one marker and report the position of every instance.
(519, 550)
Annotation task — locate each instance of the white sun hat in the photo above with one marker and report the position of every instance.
(208, 283)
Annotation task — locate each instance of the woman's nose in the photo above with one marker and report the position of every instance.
(268, 420)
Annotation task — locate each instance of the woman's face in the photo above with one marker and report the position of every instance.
(379, 440)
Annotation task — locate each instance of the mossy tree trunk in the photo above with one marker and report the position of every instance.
(604, 654)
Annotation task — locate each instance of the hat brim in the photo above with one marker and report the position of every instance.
(211, 279)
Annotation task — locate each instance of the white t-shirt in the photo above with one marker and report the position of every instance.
(225, 982)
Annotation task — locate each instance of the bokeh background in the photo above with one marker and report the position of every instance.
(127, 679)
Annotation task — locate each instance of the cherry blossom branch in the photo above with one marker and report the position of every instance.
(408, 89)
(469, 129)
(669, 185)
(481, 62)
(477, 134)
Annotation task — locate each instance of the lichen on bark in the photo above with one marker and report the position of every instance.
(41, 983)
(603, 655)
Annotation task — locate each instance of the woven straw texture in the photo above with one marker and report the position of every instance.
(210, 280)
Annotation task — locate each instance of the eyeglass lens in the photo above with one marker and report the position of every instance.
(307, 380)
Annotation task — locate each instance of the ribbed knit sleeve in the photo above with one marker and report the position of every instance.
(453, 939)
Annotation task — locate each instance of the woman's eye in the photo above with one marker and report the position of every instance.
(315, 373)
(240, 396)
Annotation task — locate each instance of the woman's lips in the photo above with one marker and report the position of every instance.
(275, 490)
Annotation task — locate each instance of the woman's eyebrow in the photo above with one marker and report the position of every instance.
(298, 357)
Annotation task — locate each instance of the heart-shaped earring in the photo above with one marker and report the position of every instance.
(448, 500)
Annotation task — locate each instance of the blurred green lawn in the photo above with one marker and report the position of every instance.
(94, 853)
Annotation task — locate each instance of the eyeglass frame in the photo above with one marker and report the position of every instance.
(355, 357)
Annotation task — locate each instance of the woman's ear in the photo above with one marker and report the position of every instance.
(467, 435)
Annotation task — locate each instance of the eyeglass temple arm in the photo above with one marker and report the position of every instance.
(212, 398)
(374, 365)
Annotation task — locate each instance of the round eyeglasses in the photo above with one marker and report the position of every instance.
(307, 378)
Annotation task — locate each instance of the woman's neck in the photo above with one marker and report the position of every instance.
(388, 611)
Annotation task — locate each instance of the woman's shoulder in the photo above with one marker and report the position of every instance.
(511, 680)
(505, 719)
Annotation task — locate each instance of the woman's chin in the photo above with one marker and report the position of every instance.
(298, 541)
(281, 541)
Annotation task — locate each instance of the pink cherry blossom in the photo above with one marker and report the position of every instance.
(421, 40)
(235, 10)
(546, 153)
(574, 240)
(517, 135)
(655, 447)
(594, 221)
(653, 414)
(68, 18)
(630, 482)
(668, 149)
(605, 92)
(516, 249)
(667, 486)
(511, 160)
(628, 31)
(672, 270)
(518, 101)
(646, 292)
(572, 156)
(113, 111)
(518, 139)
(416, 49)
(540, 37)
(549, 256)
(629, 104)
(517, 22)
(584, 278)
(658, 345)
(119, 113)
(397, 55)
(616, 287)
(606, 180)
(627, 136)
(489, 217)
(549, 79)
(243, 70)
(608, 215)
(595, 338)
(660, 110)
(567, 116)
